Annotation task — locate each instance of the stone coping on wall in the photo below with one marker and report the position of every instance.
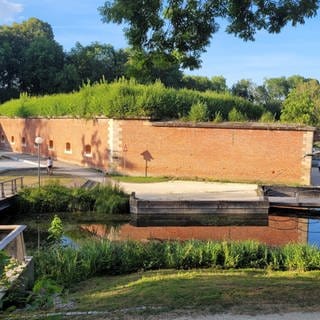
(234, 125)
(183, 124)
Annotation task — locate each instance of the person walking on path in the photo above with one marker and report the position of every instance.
(49, 166)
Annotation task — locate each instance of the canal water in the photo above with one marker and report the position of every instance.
(281, 229)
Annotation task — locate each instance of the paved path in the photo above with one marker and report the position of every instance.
(163, 190)
(18, 161)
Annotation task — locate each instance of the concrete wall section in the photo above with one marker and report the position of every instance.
(226, 152)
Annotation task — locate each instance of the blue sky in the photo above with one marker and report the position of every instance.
(293, 51)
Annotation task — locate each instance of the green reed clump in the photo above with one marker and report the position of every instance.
(54, 197)
(110, 199)
(301, 257)
(103, 257)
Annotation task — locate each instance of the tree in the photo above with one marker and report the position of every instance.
(15, 41)
(183, 28)
(303, 104)
(44, 60)
(244, 88)
(274, 91)
(216, 83)
(97, 61)
(277, 88)
(197, 83)
(149, 67)
(219, 84)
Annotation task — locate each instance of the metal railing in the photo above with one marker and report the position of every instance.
(10, 187)
(12, 241)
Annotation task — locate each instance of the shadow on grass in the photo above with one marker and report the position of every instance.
(247, 291)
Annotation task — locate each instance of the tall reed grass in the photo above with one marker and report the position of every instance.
(102, 257)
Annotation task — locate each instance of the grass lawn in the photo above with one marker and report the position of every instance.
(30, 177)
(170, 293)
(246, 291)
(132, 179)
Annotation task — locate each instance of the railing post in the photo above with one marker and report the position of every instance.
(2, 191)
(15, 185)
(21, 249)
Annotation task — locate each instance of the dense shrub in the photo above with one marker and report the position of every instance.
(237, 115)
(198, 112)
(127, 98)
(267, 117)
(110, 199)
(102, 257)
(54, 197)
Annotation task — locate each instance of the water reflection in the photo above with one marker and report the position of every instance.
(281, 230)
(314, 232)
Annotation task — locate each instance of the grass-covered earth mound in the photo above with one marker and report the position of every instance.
(127, 99)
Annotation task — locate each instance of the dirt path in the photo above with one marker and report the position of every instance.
(286, 316)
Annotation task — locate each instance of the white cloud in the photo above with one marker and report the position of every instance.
(8, 10)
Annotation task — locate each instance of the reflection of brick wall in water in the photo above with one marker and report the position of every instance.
(280, 231)
(270, 153)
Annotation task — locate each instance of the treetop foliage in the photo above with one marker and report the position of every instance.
(303, 104)
(183, 28)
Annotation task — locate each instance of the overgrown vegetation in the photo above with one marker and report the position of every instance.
(69, 265)
(4, 259)
(54, 197)
(127, 98)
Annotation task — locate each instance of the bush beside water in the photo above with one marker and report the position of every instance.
(102, 257)
(54, 197)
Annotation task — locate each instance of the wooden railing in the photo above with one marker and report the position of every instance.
(12, 241)
(10, 187)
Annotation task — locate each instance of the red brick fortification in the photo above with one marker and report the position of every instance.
(226, 152)
(78, 141)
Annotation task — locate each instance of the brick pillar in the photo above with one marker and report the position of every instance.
(114, 144)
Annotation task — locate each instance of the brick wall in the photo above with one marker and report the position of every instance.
(223, 152)
(80, 135)
(228, 152)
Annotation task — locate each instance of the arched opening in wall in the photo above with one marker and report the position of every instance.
(50, 146)
(68, 148)
(3, 140)
(12, 140)
(23, 141)
(87, 151)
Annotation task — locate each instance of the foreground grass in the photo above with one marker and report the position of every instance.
(170, 293)
(244, 291)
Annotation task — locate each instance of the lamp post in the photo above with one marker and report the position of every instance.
(38, 140)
